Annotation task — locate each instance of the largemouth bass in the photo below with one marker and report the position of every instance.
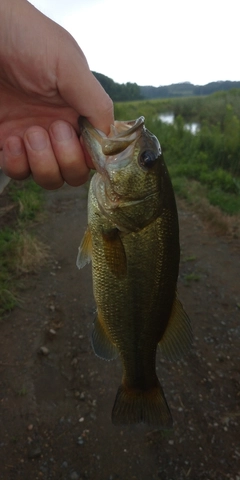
(133, 241)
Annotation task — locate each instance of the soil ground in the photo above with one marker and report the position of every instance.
(56, 401)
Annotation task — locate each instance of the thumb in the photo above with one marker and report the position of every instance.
(80, 89)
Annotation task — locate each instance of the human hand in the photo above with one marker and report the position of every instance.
(45, 84)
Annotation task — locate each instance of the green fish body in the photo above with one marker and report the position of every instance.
(133, 242)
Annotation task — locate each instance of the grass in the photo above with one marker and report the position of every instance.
(20, 251)
(227, 202)
(191, 258)
(22, 392)
(192, 277)
(29, 197)
(197, 196)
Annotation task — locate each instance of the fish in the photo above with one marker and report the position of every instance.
(132, 239)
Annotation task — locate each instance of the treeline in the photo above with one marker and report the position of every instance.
(119, 92)
(205, 165)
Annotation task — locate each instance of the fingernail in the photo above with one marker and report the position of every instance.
(61, 131)
(37, 140)
(15, 146)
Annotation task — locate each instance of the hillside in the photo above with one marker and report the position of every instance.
(186, 89)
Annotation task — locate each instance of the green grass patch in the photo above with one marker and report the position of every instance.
(20, 251)
(8, 297)
(227, 202)
(22, 392)
(191, 258)
(29, 197)
(192, 277)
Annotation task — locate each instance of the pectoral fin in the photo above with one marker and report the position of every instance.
(177, 338)
(102, 345)
(85, 250)
(114, 252)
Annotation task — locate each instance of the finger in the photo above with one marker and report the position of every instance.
(41, 158)
(14, 160)
(69, 153)
(99, 110)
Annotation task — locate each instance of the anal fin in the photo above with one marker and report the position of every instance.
(177, 338)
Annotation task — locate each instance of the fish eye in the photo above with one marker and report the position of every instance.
(147, 159)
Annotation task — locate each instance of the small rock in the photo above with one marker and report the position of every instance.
(52, 332)
(34, 452)
(80, 441)
(74, 476)
(44, 351)
(64, 465)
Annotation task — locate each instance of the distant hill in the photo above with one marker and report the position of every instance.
(186, 89)
(120, 92)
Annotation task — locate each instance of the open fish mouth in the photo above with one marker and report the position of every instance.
(122, 134)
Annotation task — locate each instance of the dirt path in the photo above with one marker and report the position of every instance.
(56, 402)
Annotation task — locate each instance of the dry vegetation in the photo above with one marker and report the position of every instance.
(30, 253)
(20, 251)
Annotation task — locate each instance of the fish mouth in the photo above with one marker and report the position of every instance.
(122, 134)
(99, 146)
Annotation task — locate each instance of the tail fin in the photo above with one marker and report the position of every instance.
(141, 406)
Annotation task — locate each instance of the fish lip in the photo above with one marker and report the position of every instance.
(92, 140)
(136, 124)
(86, 126)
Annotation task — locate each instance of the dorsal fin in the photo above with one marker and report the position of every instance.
(177, 338)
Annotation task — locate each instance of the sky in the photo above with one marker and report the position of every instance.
(153, 42)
